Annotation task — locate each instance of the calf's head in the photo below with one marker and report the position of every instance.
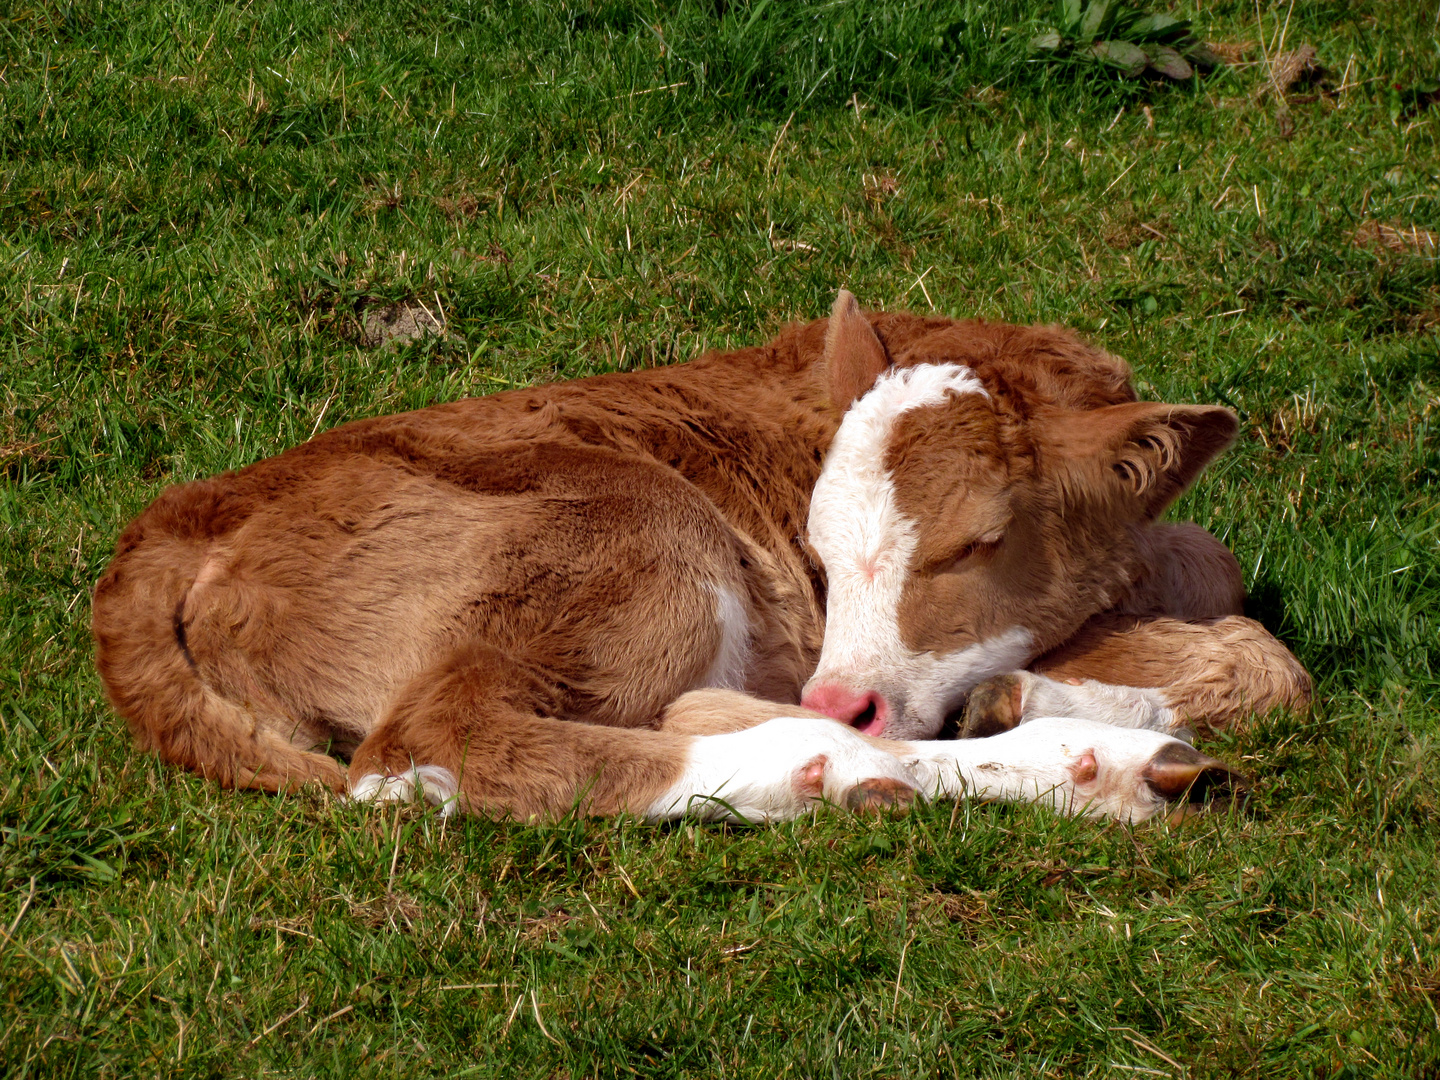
(963, 533)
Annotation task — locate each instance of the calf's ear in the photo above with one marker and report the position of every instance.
(854, 357)
(1152, 451)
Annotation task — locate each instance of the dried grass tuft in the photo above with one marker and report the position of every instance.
(1397, 239)
(1288, 68)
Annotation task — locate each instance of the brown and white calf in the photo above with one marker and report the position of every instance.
(611, 593)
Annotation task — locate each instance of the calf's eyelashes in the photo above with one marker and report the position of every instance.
(981, 547)
(952, 558)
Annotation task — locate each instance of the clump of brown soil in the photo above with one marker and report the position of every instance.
(393, 325)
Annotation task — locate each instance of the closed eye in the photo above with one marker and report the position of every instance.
(973, 550)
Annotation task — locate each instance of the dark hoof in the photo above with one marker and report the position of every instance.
(879, 794)
(1192, 782)
(994, 707)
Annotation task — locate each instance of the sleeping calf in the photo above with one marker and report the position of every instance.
(592, 594)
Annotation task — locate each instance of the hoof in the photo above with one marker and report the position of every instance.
(879, 794)
(1193, 783)
(994, 707)
(810, 781)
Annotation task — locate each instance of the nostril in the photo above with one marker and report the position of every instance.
(865, 717)
(872, 719)
(865, 711)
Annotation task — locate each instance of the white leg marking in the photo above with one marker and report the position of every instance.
(780, 769)
(373, 787)
(774, 771)
(439, 787)
(1121, 706)
(436, 785)
(1075, 766)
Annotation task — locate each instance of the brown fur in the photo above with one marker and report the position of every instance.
(718, 712)
(481, 714)
(520, 588)
(416, 585)
(848, 334)
(1185, 573)
(1023, 507)
(1182, 629)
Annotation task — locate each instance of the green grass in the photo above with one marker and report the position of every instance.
(198, 199)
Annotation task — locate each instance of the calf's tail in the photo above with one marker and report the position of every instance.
(152, 681)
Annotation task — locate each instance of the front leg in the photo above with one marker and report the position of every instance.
(1177, 654)
(780, 769)
(1077, 767)
(1005, 701)
(1158, 673)
(787, 766)
(719, 712)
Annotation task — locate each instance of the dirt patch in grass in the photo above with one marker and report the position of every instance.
(1396, 239)
(1279, 429)
(16, 455)
(1297, 66)
(394, 325)
(396, 910)
(955, 908)
(465, 205)
(546, 926)
(1234, 53)
(880, 188)
(383, 196)
(1126, 228)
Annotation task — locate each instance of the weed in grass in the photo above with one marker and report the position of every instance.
(1129, 40)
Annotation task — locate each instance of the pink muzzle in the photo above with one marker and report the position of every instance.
(864, 710)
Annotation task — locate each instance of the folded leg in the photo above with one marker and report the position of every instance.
(1162, 674)
(477, 733)
(474, 734)
(1177, 655)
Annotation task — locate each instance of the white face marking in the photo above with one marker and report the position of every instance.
(866, 543)
(731, 666)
